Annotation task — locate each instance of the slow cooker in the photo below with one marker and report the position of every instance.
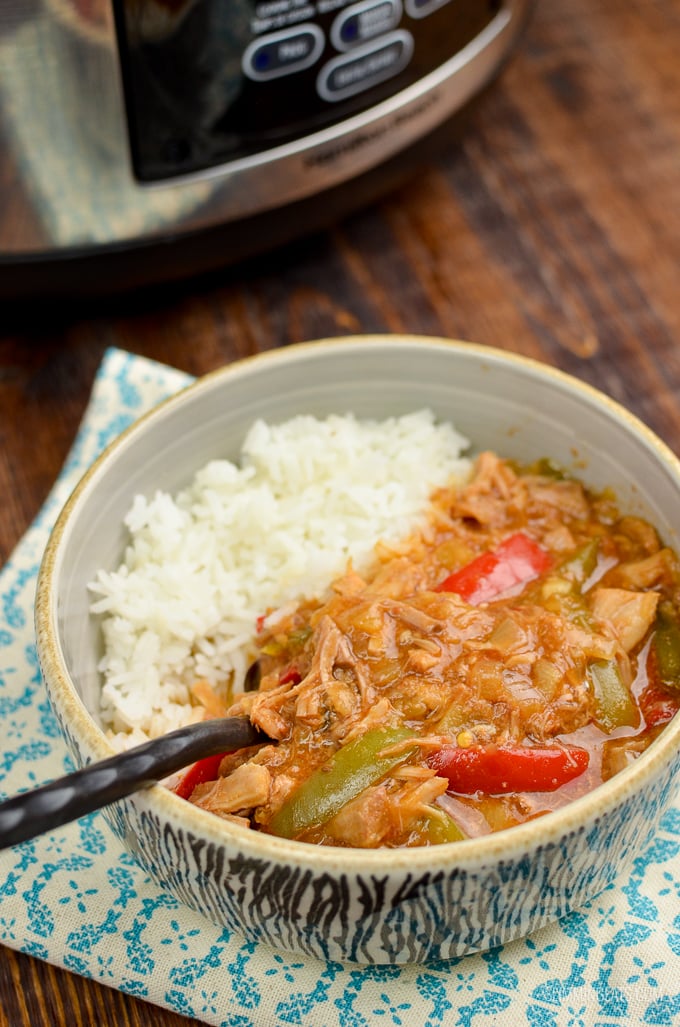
(145, 139)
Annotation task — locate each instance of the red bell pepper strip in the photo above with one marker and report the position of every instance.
(207, 769)
(658, 705)
(659, 700)
(497, 770)
(291, 676)
(517, 560)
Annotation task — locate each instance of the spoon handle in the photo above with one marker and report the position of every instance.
(67, 798)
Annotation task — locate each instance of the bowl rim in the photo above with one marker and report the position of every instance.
(573, 818)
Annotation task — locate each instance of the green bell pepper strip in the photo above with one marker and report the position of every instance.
(614, 705)
(666, 645)
(440, 831)
(351, 769)
(581, 564)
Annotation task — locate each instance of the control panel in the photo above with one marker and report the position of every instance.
(208, 82)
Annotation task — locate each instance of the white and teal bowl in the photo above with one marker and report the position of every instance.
(382, 906)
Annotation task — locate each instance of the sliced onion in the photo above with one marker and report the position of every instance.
(471, 822)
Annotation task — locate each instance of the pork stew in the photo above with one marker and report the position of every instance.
(516, 652)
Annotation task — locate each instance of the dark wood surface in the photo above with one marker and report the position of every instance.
(552, 229)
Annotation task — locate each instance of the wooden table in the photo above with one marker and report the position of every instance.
(552, 229)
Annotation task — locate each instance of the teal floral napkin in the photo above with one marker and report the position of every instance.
(77, 899)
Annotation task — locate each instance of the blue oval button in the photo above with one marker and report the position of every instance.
(364, 21)
(282, 53)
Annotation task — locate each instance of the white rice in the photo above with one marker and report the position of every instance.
(201, 567)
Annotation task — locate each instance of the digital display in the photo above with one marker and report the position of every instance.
(212, 81)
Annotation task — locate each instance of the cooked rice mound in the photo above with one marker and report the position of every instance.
(306, 498)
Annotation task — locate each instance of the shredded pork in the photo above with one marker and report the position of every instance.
(391, 650)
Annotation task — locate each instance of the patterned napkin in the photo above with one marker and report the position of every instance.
(77, 899)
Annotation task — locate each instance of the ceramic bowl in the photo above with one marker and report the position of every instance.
(383, 906)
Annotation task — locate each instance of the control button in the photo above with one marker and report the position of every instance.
(282, 53)
(421, 8)
(364, 21)
(358, 70)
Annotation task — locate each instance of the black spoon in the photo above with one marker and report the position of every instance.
(99, 784)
